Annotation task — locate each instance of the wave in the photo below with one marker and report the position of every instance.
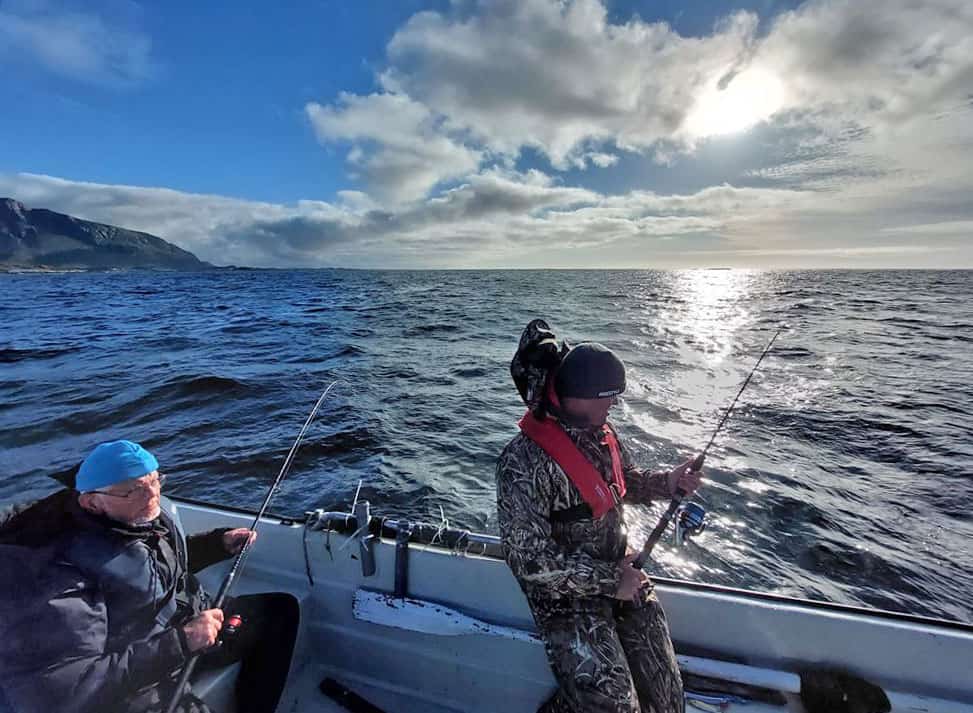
(792, 352)
(355, 441)
(170, 343)
(350, 350)
(472, 372)
(854, 566)
(424, 329)
(199, 385)
(848, 411)
(173, 397)
(11, 355)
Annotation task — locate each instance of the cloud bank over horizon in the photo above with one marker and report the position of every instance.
(504, 134)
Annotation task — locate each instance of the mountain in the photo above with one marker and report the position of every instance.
(41, 238)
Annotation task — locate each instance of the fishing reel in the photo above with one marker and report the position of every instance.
(690, 521)
(230, 632)
(231, 628)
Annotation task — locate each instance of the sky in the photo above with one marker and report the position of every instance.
(504, 134)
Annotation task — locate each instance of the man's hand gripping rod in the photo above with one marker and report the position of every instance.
(663, 523)
(242, 554)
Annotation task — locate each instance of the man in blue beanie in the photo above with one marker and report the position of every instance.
(113, 470)
(106, 609)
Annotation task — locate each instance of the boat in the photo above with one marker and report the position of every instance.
(417, 618)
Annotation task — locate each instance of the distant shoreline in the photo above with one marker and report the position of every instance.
(16, 270)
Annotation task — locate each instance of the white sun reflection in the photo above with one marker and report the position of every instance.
(677, 393)
(710, 308)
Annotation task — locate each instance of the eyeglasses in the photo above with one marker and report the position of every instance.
(143, 488)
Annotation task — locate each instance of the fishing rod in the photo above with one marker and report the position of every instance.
(697, 464)
(231, 576)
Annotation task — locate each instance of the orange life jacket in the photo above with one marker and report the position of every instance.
(600, 496)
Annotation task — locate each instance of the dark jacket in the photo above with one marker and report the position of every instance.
(91, 610)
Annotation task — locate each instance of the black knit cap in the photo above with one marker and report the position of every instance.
(590, 371)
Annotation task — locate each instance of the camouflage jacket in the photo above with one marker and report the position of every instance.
(559, 563)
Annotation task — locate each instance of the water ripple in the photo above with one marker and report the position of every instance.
(846, 472)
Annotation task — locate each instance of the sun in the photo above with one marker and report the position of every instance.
(749, 98)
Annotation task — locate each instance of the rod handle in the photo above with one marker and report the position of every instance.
(660, 528)
(181, 685)
(698, 463)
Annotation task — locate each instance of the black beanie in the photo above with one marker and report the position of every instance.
(590, 371)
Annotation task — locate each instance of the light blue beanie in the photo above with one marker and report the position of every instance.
(113, 462)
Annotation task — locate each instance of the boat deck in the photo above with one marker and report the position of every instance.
(305, 696)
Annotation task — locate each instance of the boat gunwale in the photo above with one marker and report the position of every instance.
(783, 599)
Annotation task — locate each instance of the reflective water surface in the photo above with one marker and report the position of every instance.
(845, 474)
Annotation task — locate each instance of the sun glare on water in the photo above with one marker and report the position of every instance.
(752, 96)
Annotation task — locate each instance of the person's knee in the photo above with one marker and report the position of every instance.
(595, 678)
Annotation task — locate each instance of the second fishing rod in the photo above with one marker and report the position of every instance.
(660, 528)
(231, 577)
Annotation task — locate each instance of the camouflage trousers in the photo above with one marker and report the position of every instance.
(611, 657)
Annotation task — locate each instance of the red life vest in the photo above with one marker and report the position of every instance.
(554, 440)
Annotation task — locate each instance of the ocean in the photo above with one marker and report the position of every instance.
(845, 474)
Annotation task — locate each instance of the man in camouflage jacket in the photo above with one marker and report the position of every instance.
(604, 630)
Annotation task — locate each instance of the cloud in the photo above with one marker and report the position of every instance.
(216, 228)
(558, 77)
(505, 218)
(497, 218)
(909, 60)
(949, 227)
(496, 192)
(76, 43)
(408, 150)
(880, 102)
(843, 89)
(860, 123)
(602, 160)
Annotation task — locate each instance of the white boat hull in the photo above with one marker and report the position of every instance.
(922, 664)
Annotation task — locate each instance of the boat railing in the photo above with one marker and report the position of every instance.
(457, 540)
